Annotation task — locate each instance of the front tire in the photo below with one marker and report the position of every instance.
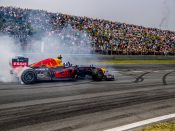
(28, 76)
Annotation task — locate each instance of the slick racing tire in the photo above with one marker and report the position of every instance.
(28, 76)
(97, 75)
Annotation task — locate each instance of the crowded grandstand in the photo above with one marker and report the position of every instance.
(106, 37)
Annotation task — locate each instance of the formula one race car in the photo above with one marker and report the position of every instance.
(52, 69)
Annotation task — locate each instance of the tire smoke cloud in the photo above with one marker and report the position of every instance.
(70, 43)
(8, 49)
(47, 46)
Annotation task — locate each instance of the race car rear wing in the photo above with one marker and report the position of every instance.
(19, 62)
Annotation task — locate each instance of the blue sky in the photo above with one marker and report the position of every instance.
(148, 13)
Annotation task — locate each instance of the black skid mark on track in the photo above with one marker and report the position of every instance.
(140, 78)
(165, 76)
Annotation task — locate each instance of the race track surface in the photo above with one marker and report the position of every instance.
(138, 93)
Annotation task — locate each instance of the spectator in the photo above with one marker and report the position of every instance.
(104, 36)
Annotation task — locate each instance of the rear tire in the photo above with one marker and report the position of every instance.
(28, 76)
(97, 75)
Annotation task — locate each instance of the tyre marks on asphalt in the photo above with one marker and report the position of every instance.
(29, 115)
(92, 120)
(140, 78)
(164, 79)
(54, 111)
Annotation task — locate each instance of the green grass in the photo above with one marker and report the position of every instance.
(160, 127)
(137, 62)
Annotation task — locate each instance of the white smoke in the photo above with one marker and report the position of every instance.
(8, 49)
(73, 45)
(70, 43)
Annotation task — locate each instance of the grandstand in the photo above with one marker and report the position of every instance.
(106, 37)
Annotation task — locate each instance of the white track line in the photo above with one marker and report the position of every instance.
(142, 123)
